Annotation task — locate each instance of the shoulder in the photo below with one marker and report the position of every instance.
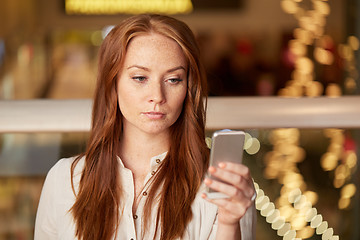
(59, 176)
(57, 198)
(63, 167)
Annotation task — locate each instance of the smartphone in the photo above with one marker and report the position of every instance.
(226, 146)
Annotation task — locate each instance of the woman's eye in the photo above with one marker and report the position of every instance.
(174, 80)
(139, 78)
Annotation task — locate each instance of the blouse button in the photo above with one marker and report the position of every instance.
(158, 160)
(144, 193)
(135, 216)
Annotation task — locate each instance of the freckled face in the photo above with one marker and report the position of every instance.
(152, 84)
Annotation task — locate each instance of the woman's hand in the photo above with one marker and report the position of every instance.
(238, 185)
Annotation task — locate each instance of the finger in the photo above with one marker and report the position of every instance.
(229, 190)
(236, 180)
(239, 169)
(236, 168)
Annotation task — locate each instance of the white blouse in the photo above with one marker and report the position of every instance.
(54, 221)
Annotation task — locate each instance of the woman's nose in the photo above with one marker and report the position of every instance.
(157, 94)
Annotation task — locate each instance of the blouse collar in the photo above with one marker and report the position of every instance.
(154, 161)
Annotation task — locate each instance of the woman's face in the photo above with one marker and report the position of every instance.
(152, 85)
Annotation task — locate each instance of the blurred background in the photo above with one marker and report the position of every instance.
(307, 179)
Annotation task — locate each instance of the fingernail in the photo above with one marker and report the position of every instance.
(222, 165)
(207, 181)
(203, 195)
(212, 169)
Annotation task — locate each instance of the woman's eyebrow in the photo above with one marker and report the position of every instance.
(148, 70)
(138, 66)
(176, 68)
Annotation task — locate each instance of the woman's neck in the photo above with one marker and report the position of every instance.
(136, 149)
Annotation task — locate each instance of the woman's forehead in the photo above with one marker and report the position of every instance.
(152, 50)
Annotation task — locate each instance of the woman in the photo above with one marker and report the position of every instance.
(141, 175)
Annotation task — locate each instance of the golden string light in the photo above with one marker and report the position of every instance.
(343, 162)
(272, 214)
(346, 52)
(307, 217)
(310, 32)
(281, 164)
(251, 144)
(293, 210)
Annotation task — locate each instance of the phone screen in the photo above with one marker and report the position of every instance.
(226, 146)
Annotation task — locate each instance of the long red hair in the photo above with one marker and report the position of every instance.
(96, 209)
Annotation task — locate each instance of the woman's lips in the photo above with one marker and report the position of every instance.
(154, 115)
